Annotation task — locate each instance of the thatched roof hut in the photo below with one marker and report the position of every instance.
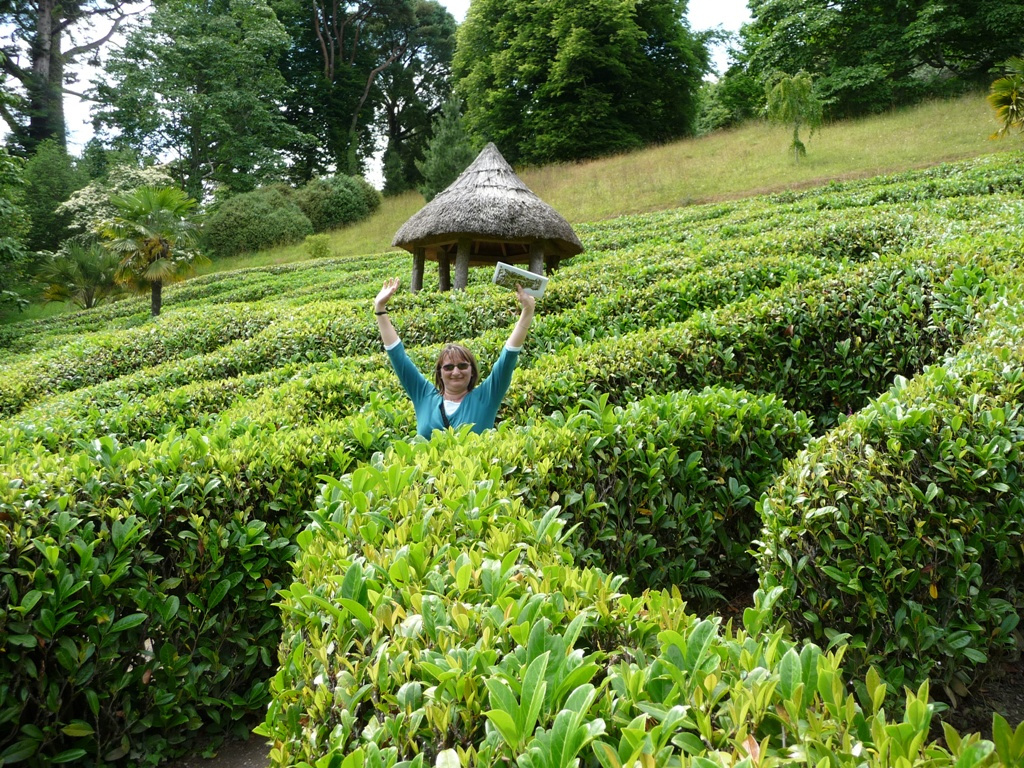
(485, 216)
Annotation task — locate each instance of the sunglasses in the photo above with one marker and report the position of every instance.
(449, 367)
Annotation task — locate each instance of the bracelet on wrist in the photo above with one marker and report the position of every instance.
(381, 313)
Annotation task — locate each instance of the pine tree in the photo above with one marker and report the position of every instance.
(448, 153)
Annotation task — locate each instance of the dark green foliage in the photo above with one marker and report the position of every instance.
(141, 584)
(51, 176)
(730, 100)
(253, 221)
(412, 91)
(336, 201)
(381, 76)
(448, 153)
(868, 58)
(14, 226)
(568, 79)
(199, 82)
(900, 533)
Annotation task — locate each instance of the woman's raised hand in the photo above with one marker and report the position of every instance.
(526, 301)
(390, 287)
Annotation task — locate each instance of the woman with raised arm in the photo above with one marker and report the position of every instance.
(456, 396)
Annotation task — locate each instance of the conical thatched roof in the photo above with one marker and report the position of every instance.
(491, 205)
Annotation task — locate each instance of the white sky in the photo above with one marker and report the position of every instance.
(703, 14)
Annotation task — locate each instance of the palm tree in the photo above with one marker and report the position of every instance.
(83, 274)
(791, 100)
(154, 239)
(1007, 97)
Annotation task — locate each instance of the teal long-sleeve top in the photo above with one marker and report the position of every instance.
(480, 406)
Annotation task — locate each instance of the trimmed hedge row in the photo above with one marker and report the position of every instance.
(901, 533)
(434, 620)
(138, 585)
(108, 355)
(825, 346)
(661, 490)
(120, 557)
(110, 408)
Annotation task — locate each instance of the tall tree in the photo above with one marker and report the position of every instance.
(340, 53)
(570, 79)
(199, 82)
(867, 56)
(14, 224)
(448, 153)
(51, 35)
(411, 91)
(154, 238)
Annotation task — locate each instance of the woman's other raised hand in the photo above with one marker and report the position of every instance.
(386, 292)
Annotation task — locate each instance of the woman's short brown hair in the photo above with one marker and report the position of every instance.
(457, 353)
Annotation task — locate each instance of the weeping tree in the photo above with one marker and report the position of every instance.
(1006, 96)
(154, 239)
(791, 100)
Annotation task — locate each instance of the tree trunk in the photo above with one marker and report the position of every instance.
(45, 85)
(156, 288)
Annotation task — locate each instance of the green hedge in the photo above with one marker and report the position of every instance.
(661, 491)
(433, 620)
(824, 346)
(139, 587)
(254, 221)
(901, 533)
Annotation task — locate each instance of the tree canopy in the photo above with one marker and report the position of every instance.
(570, 79)
(199, 82)
(354, 65)
(868, 56)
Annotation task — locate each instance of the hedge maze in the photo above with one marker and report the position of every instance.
(808, 402)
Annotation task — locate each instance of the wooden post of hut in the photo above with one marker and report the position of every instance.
(444, 270)
(418, 257)
(462, 263)
(485, 216)
(537, 258)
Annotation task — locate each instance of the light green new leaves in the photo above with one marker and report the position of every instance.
(558, 747)
(515, 720)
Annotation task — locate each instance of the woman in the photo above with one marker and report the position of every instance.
(455, 398)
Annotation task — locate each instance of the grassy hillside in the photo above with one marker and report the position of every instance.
(722, 166)
(817, 394)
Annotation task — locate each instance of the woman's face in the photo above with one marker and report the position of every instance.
(456, 373)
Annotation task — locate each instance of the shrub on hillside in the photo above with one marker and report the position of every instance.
(253, 221)
(336, 201)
